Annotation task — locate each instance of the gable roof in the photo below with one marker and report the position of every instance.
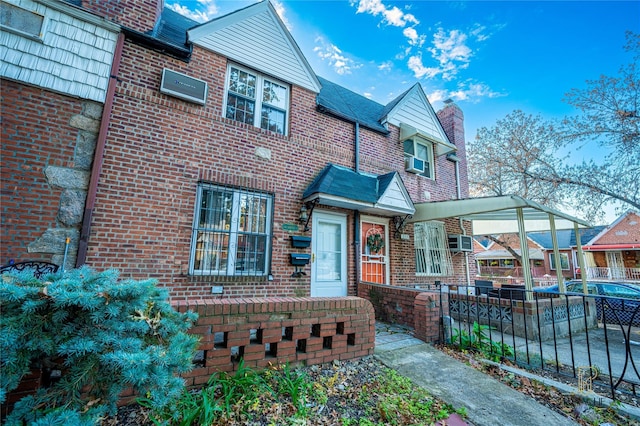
(566, 237)
(623, 233)
(413, 113)
(255, 36)
(339, 186)
(172, 28)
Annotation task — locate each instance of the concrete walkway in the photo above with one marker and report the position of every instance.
(488, 401)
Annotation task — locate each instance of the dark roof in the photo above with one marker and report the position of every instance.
(348, 105)
(332, 99)
(566, 237)
(343, 182)
(172, 27)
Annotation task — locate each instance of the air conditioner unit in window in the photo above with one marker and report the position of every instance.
(414, 164)
(459, 243)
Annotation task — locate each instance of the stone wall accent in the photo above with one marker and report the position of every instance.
(48, 144)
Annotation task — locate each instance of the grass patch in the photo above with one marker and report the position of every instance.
(368, 395)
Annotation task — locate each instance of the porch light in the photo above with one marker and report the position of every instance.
(304, 217)
(306, 211)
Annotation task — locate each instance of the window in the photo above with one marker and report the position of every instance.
(432, 254)
(232, 232)
(21, 21)
(564, 261)
(257, 100)
(422, 149)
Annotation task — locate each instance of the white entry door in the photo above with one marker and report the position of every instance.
(328, 255)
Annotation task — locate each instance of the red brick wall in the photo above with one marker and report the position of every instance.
(279, 330)
(298, 331)
(158, 147)
(140, 15)
(420, 309)
(35, 134)
(627, 231)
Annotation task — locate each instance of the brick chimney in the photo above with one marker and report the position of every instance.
(138, 15)
(452, 120)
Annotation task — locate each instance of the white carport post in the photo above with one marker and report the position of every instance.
(556, 253)
(524, 249)
(583, 271)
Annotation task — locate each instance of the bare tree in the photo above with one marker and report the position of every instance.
(520, 155)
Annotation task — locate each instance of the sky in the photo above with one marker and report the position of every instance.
(490, 57)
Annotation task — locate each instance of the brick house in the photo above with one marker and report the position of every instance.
(614, 253)
(55, 67)
(202, 178)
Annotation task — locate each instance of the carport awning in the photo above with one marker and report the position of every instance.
(496, 215)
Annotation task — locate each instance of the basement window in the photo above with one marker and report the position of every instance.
(21, 21)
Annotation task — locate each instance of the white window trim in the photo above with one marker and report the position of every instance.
(552, 259)
(230, 270)
(43, 26)
(430, 154)
(446, 265)
(260, 78)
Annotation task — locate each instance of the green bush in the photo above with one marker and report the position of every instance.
(103, 334)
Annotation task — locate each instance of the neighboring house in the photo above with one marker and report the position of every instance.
(615, 252)
(567, 248)
(494, 260)
(55, 63)
(221, 145)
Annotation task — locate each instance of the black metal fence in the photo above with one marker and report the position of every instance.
(593, 338)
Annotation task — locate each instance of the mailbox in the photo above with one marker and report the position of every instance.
(300, 259)
(298, 241)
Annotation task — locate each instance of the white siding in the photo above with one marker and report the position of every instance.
(74, 57)
(258, 41)
(395, 197)
(416, 111)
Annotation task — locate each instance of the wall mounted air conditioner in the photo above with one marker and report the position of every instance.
(458, 242)
(184, 87)
(413, 165)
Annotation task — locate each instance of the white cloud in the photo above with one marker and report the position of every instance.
(419, 70)
(466, 91)
(385, 66)
(206, 10)
(334, 57)
(414, 38)
(280, 10)
(451, 52)
(392, 16)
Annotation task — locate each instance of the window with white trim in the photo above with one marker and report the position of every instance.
(564, 261)
(232, 232)
(21, 21)
(256, 99)
(423, 150)
(432, 253)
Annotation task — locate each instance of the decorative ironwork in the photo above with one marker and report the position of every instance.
(37, 268)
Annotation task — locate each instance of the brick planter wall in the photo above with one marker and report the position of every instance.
(263, 331)
(278, 330)
(420, 309)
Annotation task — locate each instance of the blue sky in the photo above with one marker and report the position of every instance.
(490, 57)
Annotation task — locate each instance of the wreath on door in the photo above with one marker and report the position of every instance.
(375, 242)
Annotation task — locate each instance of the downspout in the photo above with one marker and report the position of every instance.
(454, 158)
(356, 213)
(98, 157)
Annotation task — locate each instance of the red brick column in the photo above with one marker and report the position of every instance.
(430, 306)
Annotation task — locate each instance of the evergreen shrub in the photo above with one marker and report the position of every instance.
(103, 334)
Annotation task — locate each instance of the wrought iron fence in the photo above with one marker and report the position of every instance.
(566, 334)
